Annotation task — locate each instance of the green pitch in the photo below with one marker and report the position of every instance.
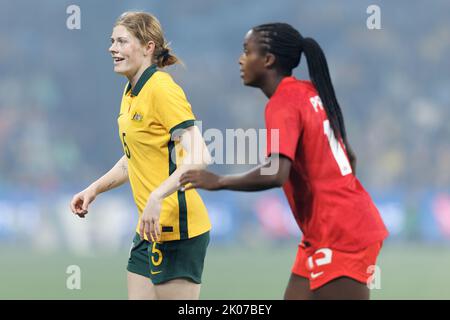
(407, 272)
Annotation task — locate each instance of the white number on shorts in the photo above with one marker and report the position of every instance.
(326, 259)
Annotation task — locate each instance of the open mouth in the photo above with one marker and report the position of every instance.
(117, 59)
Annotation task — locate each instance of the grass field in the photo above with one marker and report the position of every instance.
(407, 272)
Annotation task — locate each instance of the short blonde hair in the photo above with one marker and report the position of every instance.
(146, 27)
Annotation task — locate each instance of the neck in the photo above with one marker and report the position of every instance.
(270, 84)
(133, 79)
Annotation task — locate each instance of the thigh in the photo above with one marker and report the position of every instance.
(337, 274)
(140, 287)
(178, 289)
(298, 288)
(178, 259)
(342, 288)
(138, 276)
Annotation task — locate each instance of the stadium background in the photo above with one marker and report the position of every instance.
(59, 101)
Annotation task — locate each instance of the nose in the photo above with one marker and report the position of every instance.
(112, 48)
(241, 58)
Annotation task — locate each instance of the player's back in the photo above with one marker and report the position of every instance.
(329, 203)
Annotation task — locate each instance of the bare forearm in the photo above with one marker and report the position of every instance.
(171, 184)
(197, 158)
(114, 178)
(253, 180)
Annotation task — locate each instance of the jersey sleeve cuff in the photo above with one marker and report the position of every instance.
(281, 153)
(176, 130)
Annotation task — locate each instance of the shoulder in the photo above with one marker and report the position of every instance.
(162, 77)
(295, 90)
(164, 90)
(162, 81)
(294, 94)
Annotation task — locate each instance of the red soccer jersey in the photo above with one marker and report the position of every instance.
(329, 203)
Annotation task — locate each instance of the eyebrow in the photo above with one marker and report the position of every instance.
(119, 38)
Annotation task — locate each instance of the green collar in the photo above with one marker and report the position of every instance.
(147, 74)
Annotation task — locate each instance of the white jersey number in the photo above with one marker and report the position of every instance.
(336, 148)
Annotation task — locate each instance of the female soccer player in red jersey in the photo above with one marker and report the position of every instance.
(342, 229)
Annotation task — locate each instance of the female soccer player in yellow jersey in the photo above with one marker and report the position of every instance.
(160, 142)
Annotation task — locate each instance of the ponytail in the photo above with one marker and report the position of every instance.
(166, 58)
(320, 77)
(287, 44)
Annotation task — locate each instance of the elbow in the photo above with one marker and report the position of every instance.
(283, 172)
(206, 159)
(197, 162)
(277, 180)
(201, 165)
(205, 162)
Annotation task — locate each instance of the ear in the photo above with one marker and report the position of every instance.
(269, 60)
(149, 48)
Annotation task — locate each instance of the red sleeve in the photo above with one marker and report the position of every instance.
(283, 120)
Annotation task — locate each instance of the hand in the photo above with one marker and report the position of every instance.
(80, 202)
(149, 224)
(202, 179)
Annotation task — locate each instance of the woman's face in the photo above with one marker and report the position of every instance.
(251, 61)
(127, 52)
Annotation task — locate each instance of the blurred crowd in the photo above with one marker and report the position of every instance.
(59, 97)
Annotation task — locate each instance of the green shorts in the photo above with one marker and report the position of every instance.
(169, 260)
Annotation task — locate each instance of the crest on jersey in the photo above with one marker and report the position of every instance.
(137, 117)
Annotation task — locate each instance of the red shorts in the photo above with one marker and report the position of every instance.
(322, 265)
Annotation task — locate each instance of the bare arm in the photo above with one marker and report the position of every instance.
(256, 179)
(197, 158)
(115, 177)
(271, 174)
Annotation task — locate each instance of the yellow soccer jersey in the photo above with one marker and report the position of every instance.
(149, 115)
